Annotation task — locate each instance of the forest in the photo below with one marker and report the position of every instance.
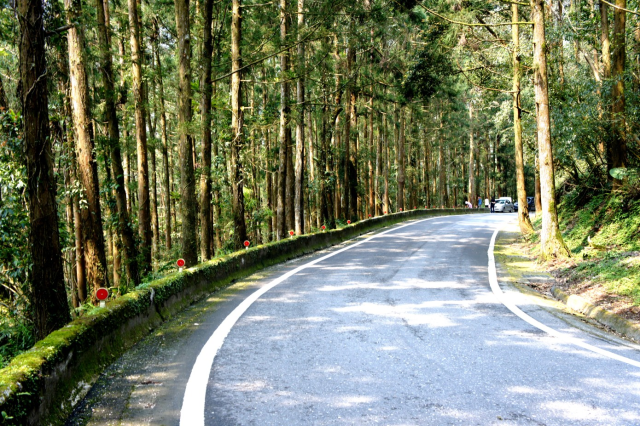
(134, 133)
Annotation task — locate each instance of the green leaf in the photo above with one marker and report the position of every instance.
(619, 173)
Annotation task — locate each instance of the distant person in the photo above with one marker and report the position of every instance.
(479, 202)
(486, 203)
(493, 204)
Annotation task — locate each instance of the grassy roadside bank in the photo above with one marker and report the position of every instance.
(603, 235)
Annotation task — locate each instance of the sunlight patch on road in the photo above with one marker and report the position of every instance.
(572, 410)
(523, 390)
(350, 401)
(411, 283)
(256, 318)
(405, 312)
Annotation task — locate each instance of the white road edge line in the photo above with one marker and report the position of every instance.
(193, 403)
(493, 280)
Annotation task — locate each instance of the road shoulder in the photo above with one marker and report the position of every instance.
(518, 270)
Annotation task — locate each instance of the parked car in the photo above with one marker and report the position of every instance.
(504, 205)
(530, 203)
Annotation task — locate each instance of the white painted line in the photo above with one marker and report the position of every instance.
(493, 280)
(193, 404)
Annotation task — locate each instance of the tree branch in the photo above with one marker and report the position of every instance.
(481, 87)
(467, 24)
(618, 7)
(58, 30)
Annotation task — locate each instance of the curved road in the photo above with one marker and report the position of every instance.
(401, 329)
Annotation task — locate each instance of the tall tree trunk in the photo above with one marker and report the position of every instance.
(537, 196)
(427, 173)
(455, 176)
(93, 237)
(300, 154)
(352, 163)
(48, 296)
(387, 165)
(523, 207)
(618, 145)
(144, 208)
(400, 157)
(559, 17)
(81, 270)
(71, 259)
(206, 224)
(155, 221)
(81, 283)
(442, 189)
(237, 123)
(285, 132)
(604, 40)
(326, 210)
(291, 174)
(350, 188)
(370, 164)
(313, 195)
(379, 167)
(552, 244)
(268, 185)
(106, 67)
(605, 43)
(165, 140)
(188, 201)
(472, 197)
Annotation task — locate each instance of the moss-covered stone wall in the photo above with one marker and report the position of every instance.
(42, 385)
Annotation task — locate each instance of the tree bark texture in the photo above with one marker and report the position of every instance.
(285, 132)
(400, 157)
(188, 202)
(618, 145)
(206, 223)
(237, 124)
(300, 140)
(552, 244)
(48, 296)
(472, 197)
(144, 207)
(106, 67)
(350, 141)
(165, 140)
(523, 207)
(92, 233)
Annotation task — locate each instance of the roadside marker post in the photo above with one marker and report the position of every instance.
(291, 234)
(102, 294)
(246, 245)
(180, 264)
(348, 222)
(323, 228)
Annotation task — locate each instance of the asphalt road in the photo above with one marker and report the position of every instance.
(401, 329)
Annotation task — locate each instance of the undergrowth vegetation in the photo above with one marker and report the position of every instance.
(602, 232)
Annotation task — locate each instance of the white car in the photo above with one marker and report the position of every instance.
(504, 205)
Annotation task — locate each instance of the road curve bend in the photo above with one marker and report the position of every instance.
(400, 329)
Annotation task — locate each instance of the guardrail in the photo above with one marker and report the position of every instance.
(42, 385)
